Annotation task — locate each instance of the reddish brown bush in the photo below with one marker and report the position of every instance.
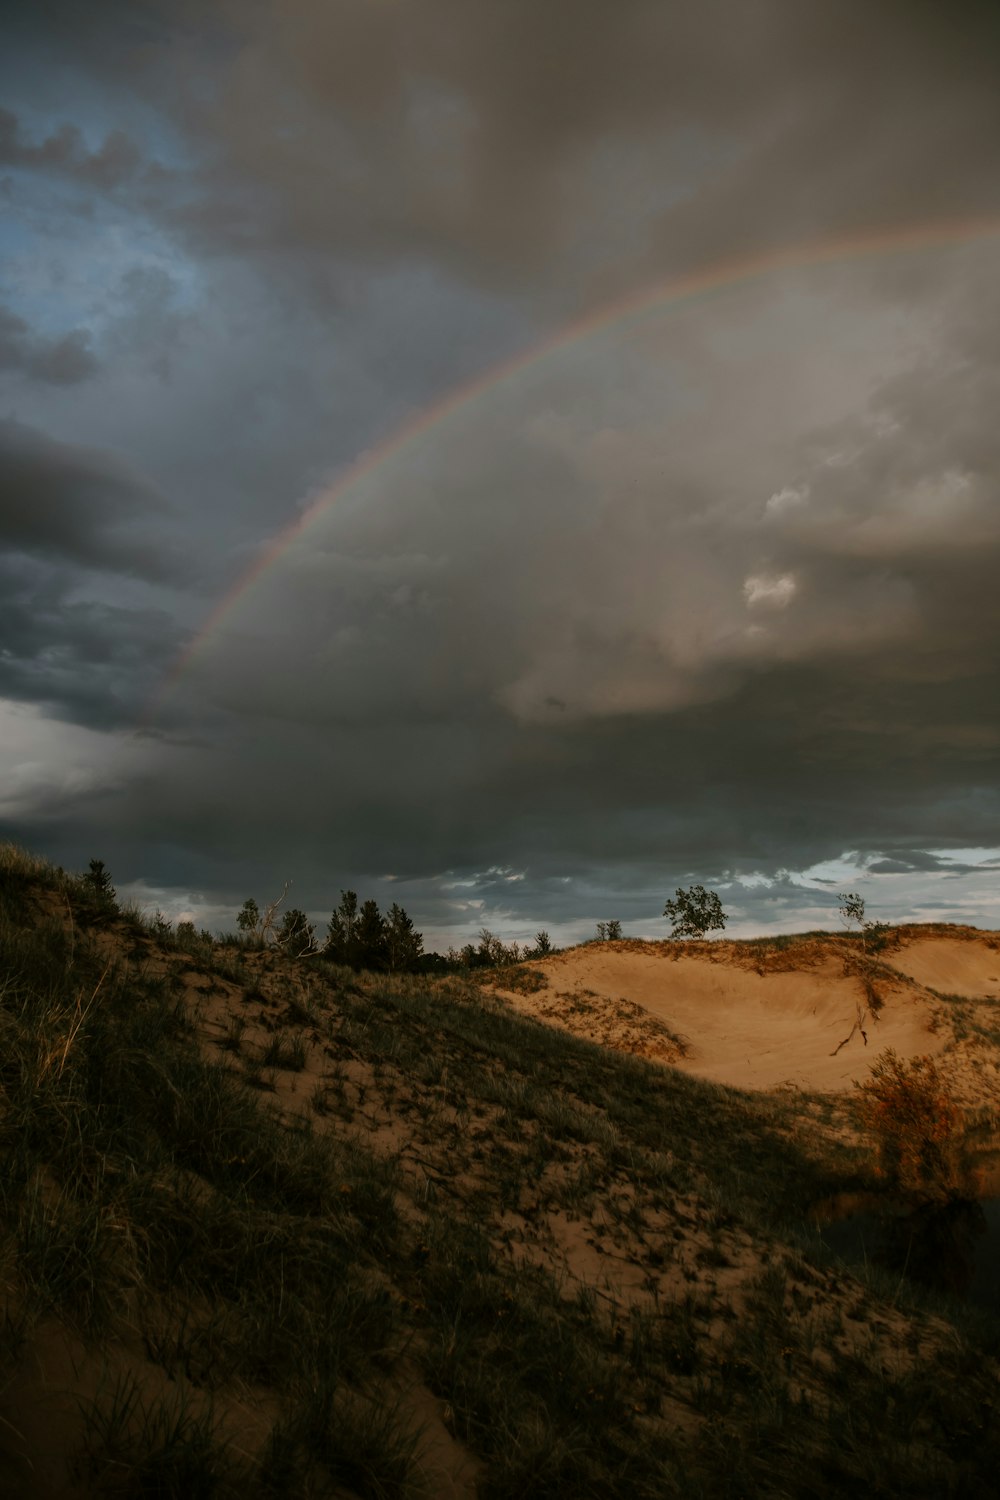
(918, 1129)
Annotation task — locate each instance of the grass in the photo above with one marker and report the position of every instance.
(162, 1449)
(520, 977)
(288, 1052)
(363, 1445)
(455, 1202)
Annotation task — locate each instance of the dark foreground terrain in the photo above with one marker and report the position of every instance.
(271, 1228)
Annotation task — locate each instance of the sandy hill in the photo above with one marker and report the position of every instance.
(786, 1013)
(271, 1228)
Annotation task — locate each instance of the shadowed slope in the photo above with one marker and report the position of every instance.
(270, 1228)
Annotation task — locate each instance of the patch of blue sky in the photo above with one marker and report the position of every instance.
(46, 94)
(64, 256)
(987, 858)
(845, 867)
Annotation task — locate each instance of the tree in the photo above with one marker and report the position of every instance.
(491, 949)
(296, 935)
(875, 936)
(265, 925)
(248, 917)
(159, 926)
(493, 952)
(260, 925)
(341, 933)
(98, 878)
(370, 937)
(609, 932)
(543, 944)
(403, 946)
(694, 912)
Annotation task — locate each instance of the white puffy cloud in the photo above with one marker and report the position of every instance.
(769, 590)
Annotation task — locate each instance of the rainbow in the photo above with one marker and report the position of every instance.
(721, 275)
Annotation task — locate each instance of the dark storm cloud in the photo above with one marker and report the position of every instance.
(76, 526)
(590, 642)
(478, 135)
(628, 806)
(62, 501)
(496, 139)
(89, 661)
(745, 685)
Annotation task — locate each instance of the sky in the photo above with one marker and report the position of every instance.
(511, 459)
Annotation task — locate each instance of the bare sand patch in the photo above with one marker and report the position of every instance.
(750, 1029)
(953, 966)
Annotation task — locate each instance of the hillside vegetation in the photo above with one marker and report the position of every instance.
(274, 1228)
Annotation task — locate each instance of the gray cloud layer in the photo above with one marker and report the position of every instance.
(77, 504)
(66, 514)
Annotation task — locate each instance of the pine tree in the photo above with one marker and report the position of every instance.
(248, 917)
(403, 946)
(341, 932)
(98, 879)
(296, 934)
(370, 937)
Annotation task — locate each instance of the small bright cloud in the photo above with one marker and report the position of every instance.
(847, 867)
(769, 591)
(782, 501)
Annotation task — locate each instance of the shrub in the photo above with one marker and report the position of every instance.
(918, 1129)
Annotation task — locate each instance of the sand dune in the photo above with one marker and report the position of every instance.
(952, 966)
(743, 1024)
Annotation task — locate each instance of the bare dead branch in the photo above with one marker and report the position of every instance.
(863, 1012)
(266, 924)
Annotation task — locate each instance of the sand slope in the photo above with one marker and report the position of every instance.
(952, 966)
(753, 1028)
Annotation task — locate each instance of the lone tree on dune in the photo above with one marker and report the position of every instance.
(874, 937)
(694, 912)
(99, 880)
